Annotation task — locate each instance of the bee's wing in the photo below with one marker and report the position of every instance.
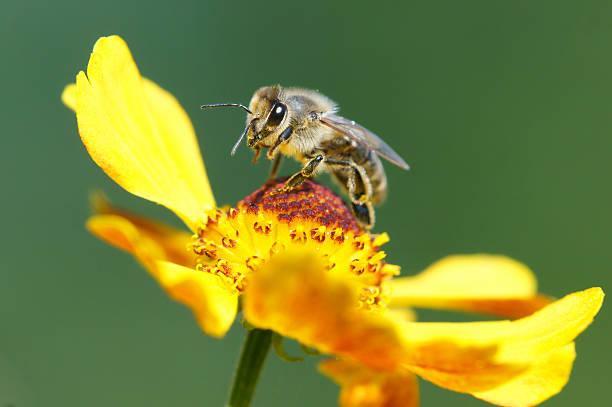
(363, 136)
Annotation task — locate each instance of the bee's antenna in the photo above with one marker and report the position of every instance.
(243, 134)
(228, 104)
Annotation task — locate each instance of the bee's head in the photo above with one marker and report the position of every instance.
(268, 116)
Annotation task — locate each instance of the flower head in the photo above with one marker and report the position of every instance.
(235, 243)
(305, 269)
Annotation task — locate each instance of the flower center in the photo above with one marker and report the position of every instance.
(237, 242)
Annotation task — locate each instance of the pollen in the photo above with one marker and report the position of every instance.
(236, 242)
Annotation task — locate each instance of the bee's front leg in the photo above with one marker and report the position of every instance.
(275, 166)
(284, 136)
(303, 175)
(257, 154)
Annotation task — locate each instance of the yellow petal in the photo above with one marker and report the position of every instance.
(210, 300)
(156, 246)
(544, 379)
(139, 134)
(295, 296)
(519, 343)
(469, 276)
(488, 284)
(402, 314)
(136, 234)
(363, 387)
(69, 96)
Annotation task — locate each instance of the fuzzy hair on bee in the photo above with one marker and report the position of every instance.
(304, 124)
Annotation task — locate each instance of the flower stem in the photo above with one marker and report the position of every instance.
(252, 357)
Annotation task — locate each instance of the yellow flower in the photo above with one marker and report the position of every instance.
(304, 269)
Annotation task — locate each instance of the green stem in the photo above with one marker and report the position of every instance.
(252, 357)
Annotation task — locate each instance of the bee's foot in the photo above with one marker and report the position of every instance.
(282, 190)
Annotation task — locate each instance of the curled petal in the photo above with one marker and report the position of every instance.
(295, 296)
(542, 380)
(521, 343)
(488, 284)
(123, 234)
(210, 300)
(138, 133)
(363, 387)
(158, 248)
(114, 224)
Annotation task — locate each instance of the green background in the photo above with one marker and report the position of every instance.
(501, 108)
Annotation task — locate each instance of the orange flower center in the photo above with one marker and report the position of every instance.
(234, 243)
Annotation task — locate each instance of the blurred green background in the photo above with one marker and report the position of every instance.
(503, 110)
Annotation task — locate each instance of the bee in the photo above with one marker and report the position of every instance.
(304, 124)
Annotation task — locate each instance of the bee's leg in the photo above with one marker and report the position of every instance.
(303, 175)
(284, 136)
(355, 195)
(364, 212)
(361, 203)
(275, 166)
(257, 154)
(361, 197)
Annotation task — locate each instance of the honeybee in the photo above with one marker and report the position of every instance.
(304, 124)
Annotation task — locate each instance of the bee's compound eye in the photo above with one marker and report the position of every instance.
(277, 114)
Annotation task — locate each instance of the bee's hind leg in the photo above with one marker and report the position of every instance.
(357, 196)
(303, 175)
(361, 203)
(364, 212)
(361, 197)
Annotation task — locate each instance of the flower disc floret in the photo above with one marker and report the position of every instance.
(235, 243)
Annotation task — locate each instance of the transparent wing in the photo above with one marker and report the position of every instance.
(364, 137)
